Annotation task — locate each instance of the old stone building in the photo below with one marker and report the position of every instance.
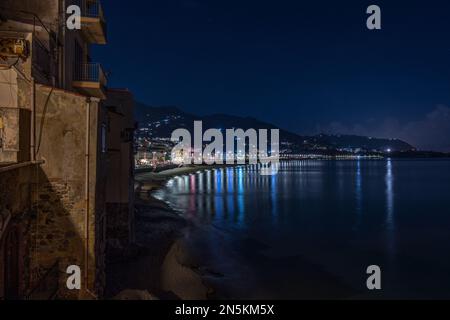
(55, 127)
(120, 175)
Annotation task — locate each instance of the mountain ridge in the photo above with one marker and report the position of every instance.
(161, 121)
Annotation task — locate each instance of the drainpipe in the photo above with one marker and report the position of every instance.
(33, 121)
(63, 49)
(86, 196)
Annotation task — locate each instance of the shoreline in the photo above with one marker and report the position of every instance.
(160, 264)
(145, 180)
(170, 264)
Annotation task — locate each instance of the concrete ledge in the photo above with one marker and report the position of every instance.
(15, 166)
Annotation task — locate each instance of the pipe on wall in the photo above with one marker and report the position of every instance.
(86, 196)
(33, 121)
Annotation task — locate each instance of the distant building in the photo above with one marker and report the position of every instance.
(54, 154)
(120, 175)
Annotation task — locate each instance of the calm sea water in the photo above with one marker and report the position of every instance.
(312, 230)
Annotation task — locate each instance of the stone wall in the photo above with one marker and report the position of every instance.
(58, 232)
(119, 224)
(17, 215)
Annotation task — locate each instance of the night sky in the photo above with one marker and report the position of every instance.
(307, 66)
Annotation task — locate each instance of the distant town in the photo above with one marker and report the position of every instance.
(154, 145)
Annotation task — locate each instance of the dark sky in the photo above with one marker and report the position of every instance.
(307, 66)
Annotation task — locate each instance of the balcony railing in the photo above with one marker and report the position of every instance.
(89, 72)
(42, 58)
(93, 21)
(90, 8)
(89, 79)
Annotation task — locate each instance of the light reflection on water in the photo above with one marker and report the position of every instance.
(339, 215)
(389, 196)
(390, 226)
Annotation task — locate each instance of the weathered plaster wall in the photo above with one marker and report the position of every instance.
(14, 135)
(8, 89)
(55, 231)
(61, 141)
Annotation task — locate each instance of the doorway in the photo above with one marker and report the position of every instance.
(11, 275)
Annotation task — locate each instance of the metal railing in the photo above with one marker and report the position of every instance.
(90, 8)
(89, 72)
(42, 58)
(44, 51)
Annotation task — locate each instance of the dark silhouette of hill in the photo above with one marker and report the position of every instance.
(162, 121)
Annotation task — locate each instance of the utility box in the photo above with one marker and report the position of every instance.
(13, 48)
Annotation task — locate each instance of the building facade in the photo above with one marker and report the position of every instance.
(54, 154)
(120, 175)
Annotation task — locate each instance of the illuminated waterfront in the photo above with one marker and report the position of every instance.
(311, 230)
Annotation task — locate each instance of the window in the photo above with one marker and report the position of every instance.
(103, 137)
(78, 62)
(11, 268)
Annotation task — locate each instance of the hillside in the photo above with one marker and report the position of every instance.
(162, 121)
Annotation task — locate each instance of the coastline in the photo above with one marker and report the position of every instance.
(170, 262)
(151, 181)
(159, 265)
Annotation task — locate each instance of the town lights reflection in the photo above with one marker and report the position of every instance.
(390, 222)
(192, 198)
(208, 181)
(389, 195)
(274, 197)
(358, 194)
(240, 196)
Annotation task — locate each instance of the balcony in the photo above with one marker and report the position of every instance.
(89, 79)
(93, 23)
